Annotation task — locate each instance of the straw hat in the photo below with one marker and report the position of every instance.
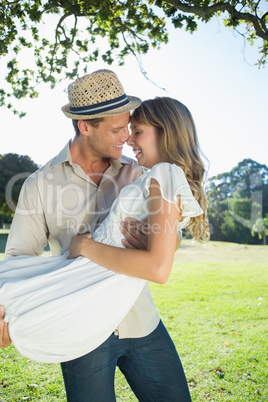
(99, 94)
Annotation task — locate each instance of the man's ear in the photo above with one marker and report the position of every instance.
(84, 127)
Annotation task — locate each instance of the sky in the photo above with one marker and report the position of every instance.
(212, 72)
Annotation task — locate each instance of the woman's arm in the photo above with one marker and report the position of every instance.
(153, 264)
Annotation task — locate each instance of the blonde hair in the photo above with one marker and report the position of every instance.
(178, 143)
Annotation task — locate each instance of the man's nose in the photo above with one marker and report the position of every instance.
(124, 134)
(130, 140)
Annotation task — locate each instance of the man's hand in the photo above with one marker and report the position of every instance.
(178, 240)
(135, 232)
(5, 339)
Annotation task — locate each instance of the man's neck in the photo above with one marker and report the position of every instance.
(94, 166)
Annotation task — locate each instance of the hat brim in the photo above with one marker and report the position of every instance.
(131, 105)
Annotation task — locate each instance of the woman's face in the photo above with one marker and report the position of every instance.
(144, 141)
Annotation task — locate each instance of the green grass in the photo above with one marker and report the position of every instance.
(215, 308)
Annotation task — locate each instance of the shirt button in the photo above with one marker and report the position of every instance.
(116, 332)
(99, 190)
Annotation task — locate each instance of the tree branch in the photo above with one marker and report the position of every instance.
(209, 11)
(262, 20)
(133, 33)
(10, 3)
(139, 61)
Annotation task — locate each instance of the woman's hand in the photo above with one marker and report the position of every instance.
(79, 245)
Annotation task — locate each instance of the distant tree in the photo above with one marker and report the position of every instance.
(236, 226)
(129, 26)
(14, 169)
(5, 219)
(244, 180)
(260, 228)
(236, 199)
(216, 215)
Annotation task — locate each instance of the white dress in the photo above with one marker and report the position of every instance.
(60, 309)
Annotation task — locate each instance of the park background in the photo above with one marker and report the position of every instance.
(215, 303)
(213, 72)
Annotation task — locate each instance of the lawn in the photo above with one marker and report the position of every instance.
(215, 308)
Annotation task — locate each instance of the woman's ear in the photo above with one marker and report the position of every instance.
(84, 127)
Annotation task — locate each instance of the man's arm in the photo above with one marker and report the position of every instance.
(28, 233)
(28, 236)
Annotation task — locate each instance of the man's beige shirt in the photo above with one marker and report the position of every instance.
(59, 201)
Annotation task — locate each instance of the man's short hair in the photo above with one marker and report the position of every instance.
(91, 122)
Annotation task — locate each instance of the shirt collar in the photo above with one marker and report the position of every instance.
(65, 156)
(116, 164)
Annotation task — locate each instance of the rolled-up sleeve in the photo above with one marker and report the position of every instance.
(28, 234)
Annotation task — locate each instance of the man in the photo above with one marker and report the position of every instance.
(72, 194)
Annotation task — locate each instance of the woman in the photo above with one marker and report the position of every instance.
(58, 300)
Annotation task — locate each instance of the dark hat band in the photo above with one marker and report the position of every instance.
(101, 107)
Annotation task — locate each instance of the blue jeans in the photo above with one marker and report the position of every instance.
(150, 364)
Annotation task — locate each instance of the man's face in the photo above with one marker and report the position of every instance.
(106, 140)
